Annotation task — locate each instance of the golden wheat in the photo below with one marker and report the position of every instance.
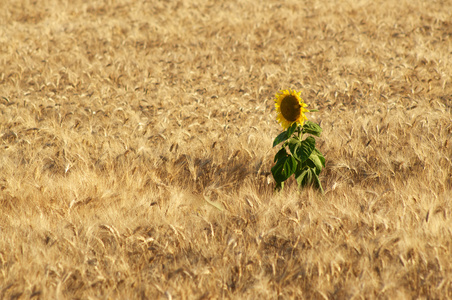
(136, 149)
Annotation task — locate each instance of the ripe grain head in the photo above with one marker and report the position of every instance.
(135, 149)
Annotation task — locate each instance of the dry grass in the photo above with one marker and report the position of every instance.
(119, 117)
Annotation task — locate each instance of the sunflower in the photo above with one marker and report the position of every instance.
(290, 108)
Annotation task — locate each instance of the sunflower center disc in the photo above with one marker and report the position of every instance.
(290, 108)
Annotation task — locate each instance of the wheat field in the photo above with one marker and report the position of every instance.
(136, 148)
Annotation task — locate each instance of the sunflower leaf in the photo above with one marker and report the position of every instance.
(279, 186)
(281, 153)
(280, 138)
(284, 167)
(309, 177)
(285, 134)
(305, 149)
(299, 176)
(291, 129)
(317, 183)
(316, 162)
(312, 128)
(293, 144)
(320, 155)
(305, 177)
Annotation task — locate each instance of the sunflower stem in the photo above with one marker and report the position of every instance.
(299, 132)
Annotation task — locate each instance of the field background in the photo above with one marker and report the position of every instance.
(120, 119)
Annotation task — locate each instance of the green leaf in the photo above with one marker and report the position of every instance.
(317, 183)
(280, 138)
(312, 128)
(285, 134)
(315, 159)
(305, 177)
(320, 155)
(280, 154)
(294, 143)
(301, 176)
(285, 167)
(279, 186)
(291, 129)
(305, 149)
(308, 177)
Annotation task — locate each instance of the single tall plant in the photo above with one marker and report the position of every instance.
(298, 155)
